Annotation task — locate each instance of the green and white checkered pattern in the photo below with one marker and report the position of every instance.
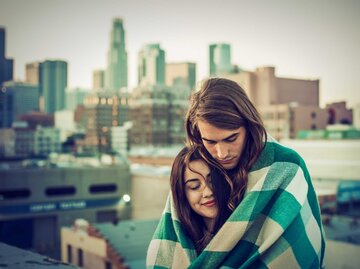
(277, 224)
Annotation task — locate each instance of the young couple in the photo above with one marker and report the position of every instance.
(238, 198)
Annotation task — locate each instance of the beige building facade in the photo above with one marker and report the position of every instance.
(286, 105)
(181, 73)
(265, 88)
(157, 113)
(98, 79)
(151, 121)
(87, 250)
(103, 111)
(121, 245)
(32, 73)
(284, 121)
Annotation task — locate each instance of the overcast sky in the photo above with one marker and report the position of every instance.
(302, 39)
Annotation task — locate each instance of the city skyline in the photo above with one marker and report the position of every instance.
(311, 40)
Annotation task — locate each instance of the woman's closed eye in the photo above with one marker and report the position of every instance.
(193, 185)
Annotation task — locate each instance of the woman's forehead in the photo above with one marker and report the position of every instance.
(196, 167)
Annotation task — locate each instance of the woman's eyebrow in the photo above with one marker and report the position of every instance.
(191, 180)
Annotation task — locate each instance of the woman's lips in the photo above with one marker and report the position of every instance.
(209, 203)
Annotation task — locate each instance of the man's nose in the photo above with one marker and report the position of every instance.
(222, 151)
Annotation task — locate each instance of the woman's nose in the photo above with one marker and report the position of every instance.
(207, 192)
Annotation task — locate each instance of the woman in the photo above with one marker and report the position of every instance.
(275, 221)
(194, 212)
(200, 211)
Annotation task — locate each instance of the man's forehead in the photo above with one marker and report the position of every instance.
(210, 132)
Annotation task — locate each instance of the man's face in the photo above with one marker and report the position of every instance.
(223, 145)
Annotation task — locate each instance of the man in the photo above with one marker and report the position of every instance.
(275, 220)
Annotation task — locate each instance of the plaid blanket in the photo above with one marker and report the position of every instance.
(277, 224)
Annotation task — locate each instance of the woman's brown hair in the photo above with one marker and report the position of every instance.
(225, 105)
(193, 223)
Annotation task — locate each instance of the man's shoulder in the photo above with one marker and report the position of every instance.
(274, 152)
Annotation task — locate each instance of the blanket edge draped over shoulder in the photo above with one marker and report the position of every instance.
(276, 225)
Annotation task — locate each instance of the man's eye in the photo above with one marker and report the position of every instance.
(231, 139)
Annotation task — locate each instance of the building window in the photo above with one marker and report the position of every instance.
(69, 253)
(60, 191)
(14, 194)
(313, 115)
(80, 257)
(106, 216)
(313, 127)
(102, 188)
(18, 233)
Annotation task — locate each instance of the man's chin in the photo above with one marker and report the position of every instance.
(229, 165)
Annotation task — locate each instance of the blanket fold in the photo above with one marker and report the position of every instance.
(277, 224)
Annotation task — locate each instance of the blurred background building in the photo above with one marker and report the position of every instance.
(52, 84)
(181, 74)
(116, 75)
(151, 65)
(219, 59)
(6, 65)
(41, 196)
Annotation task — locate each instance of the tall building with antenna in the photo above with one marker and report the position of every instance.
(117, 67)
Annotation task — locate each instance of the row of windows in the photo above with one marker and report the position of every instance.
(56, 191)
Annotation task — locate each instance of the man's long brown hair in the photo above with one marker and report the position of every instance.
(225, 105)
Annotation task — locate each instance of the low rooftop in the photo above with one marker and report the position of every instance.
(14, 258)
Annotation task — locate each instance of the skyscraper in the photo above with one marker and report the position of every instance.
(98, 79)
(220, 59)
(17, 98)
(6, 65)
(151, 66)
(181, 74)
(52, 83)
(116, 73)
(32, 72)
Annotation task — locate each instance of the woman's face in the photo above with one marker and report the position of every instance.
(197, 182)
